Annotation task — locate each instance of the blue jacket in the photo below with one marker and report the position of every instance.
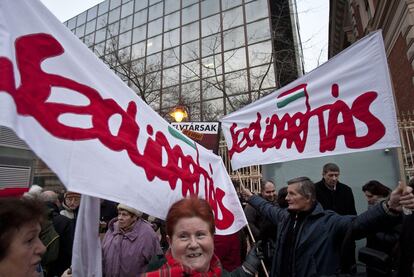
(319, 239)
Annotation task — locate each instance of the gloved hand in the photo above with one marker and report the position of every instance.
(253, 258)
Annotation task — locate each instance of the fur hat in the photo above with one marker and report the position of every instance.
(129, 209)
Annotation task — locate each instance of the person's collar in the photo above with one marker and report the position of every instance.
(329, 187)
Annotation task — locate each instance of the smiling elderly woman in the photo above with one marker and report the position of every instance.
(190, 230)
(20, 247)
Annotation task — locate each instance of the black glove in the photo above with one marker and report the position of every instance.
(253, 258)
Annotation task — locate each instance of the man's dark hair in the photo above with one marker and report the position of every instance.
(376, 188)
(330, 167)
(263, 183)
(306, 187)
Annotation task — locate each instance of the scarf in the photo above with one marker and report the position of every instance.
(173, 268)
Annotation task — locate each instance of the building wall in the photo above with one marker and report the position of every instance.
(213, 56)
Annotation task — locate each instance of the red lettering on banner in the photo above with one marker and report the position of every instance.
(30, 99)
(294, 128)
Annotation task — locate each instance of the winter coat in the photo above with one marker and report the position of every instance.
(127, 254)
(341, 200)
(318, 242)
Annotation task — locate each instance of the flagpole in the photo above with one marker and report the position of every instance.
(248, 227)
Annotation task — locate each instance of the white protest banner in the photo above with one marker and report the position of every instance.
(93, 131)
(344, 106)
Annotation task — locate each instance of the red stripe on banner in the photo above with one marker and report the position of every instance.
(13, 192)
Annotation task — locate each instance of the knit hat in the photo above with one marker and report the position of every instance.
(71, 194)
(129, 209)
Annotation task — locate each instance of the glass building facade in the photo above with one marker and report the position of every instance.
(212, 56)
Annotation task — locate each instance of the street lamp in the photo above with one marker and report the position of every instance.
(179, 113)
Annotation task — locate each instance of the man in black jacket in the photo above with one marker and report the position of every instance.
(332, 194)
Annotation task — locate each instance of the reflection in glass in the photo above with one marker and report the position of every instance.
(190, 14)
(260, 53)
(153, 62)
(155, 27)
(190, 71)
(190, 51)
(233, 38)
(236, 82)
(211, 66)
(170, 96)
(260, 72)
(140, 4)
(90, 26)
(113, 29)
(234, 59)
(170, 76)
(100, 35)
(232, 18)
(258, 31)
(114, 15)
(155, 11)
(115, 3)
(81, 19)
(171, 6)
(190, 32)
(127, 9)
(154, 45)
(138, 50)
(103, 7)
(80, 31)
(171, 21)
(211, 45)
(92, 13)
(125, 39)
(138, 34)
(140, 18)
(102, 21)
(213, 109)
(227, 4)
(256, 9)
(126, 24)
(210, 89)
(210, 25)
(172, 38)
(171, 57)
(89, 39)
(209, 7)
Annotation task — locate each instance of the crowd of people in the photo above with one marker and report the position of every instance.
(304, 229)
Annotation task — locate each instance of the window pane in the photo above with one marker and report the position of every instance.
(210, 25)
(234, 60)
(210, 89)
(213, 109)
(92, 12)
(232, 18)
(138, 50)
(115, 3)
(190, 51)
(125, 39)
(189, 2)
(258, 31)
(127, 9)
(140, 18)
(227, 4)
(90, 26)
(99, 48)
(170, 76)
(233, 38)
(103, 7)
(211, 45)
(80, 31)
(190, 93)
(171, 21)
(89, 39)
(100, 35)
(126, 24)
(155, 27)
(171, 57)
(256, 9)
(113, 29)
(155, 11)
(172, 38)
(81, 19)
(154, 45)
(138, 34)
(153, 82)
(190, 14)
(102, 21)
(190, 71)
(190, 32)
(236, 82)
(170, 97)
(72, 23)
(125, 54)
(171, 6)
(209, 7)
(140, 4)
(114, 15)
(256, 76)
(211, 66)
(260, 53)
(153, 62)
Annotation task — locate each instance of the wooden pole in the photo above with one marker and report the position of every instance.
(248, 227)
